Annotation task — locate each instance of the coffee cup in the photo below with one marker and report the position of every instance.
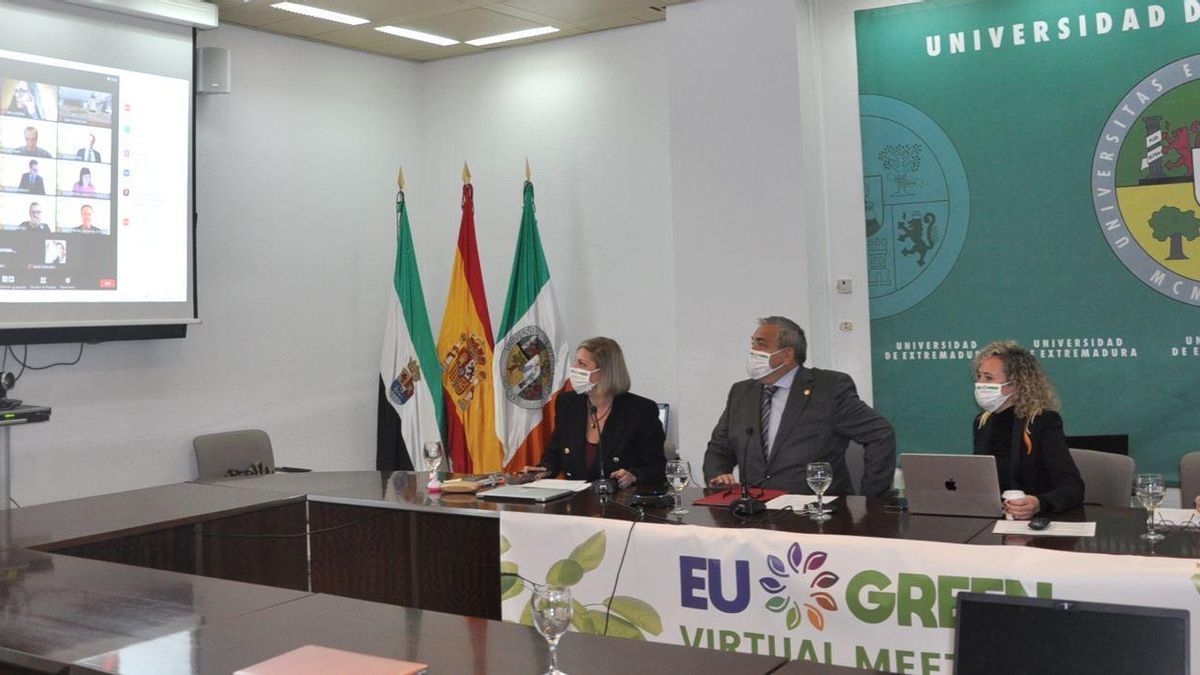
(1011, 495)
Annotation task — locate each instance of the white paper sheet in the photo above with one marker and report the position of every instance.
(797, 502)
(1177, 517)
(559, 484)
(1056, 529)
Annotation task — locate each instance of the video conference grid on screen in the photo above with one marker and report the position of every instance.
(56, 178)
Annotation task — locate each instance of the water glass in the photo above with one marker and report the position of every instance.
(1149, 488)
(820, 477)
(551, 618)
(679, 474)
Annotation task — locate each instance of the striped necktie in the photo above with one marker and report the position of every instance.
(767, 393)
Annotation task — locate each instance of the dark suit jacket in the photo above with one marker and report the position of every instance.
(32, 184)
(822, 415)
(83, 153)
(632, 439)
(1044, 467)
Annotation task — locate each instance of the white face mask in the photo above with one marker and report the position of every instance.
(581, 380)
(758, 364)
(988, 396)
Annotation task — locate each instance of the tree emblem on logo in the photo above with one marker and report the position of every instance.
(780, 588)
(902, 161)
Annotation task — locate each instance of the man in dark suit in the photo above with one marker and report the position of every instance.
(90, 153)
(31, 182)
(787, 415)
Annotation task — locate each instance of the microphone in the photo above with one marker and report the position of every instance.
(746, 505)
(604, 486)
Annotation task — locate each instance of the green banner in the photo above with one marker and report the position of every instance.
(1028, 175)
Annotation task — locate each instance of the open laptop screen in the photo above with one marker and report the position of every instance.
(1002, 634)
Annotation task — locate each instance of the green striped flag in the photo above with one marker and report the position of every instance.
(531, 349)
(409, 364)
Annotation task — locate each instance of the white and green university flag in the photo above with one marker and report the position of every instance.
(531, 349)
(409, 360)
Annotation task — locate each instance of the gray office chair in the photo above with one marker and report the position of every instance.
(246, 452)
(1107, 477)
(1189, 478)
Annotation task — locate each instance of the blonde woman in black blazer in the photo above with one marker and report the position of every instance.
(605, 419)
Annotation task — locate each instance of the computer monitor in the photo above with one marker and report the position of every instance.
(664, 412)
(1003, 634)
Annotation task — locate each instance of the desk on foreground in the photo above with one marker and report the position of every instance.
(448, 643)
(370, 536)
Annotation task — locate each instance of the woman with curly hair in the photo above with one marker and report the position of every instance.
(1020, 427)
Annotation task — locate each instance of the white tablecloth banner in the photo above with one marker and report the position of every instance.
(853, 601)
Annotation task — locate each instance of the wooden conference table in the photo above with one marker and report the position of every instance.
(207, 578)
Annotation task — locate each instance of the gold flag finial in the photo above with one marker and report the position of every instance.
(528, 173)
(400, 179)
(466, 173)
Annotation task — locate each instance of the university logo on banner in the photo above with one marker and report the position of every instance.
(917, 203)
(1144, 186)
(528, 362)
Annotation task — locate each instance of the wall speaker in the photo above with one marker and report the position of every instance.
(212, 70)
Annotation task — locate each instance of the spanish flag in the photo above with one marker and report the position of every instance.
(465, 351)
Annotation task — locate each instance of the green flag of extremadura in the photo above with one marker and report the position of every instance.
(531, 349)
(1029, 174)
(409, 364)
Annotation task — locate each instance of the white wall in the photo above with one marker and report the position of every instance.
(683, 190)
(590, 114)
(295, 179)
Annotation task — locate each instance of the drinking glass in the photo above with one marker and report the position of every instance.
(1149, 488)
(551, 618)
(820, 476)
(679, 474)
(433, 456)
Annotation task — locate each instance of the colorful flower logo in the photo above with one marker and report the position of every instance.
(817, 588)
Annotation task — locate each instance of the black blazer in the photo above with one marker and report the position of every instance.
(632, 439)
(1044, 467)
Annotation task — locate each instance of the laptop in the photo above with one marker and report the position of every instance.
(524, 493)
(951, 485)
(1004, 634)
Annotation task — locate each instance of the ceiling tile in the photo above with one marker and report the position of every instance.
(606, 22)
(470, 24)
(458, 19)
(252, 15)
(357, 36)
(581, 10)
(303, 26)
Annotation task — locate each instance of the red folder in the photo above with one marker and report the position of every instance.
(726, 497)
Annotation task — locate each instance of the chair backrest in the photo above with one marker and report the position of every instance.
(1189, 478)
(233, 453)
(1107, 477)
(855, 463)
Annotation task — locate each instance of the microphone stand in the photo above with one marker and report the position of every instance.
(746, 505)
(603, 487)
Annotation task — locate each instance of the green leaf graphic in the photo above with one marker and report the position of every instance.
(504, 545)
(637, 612)
(527, 614)
(583, 620)
(793, 616)
(565, 572)
(590, 553)
(777, 604)
(1196, 582)
(510, 586)
(618, 627)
